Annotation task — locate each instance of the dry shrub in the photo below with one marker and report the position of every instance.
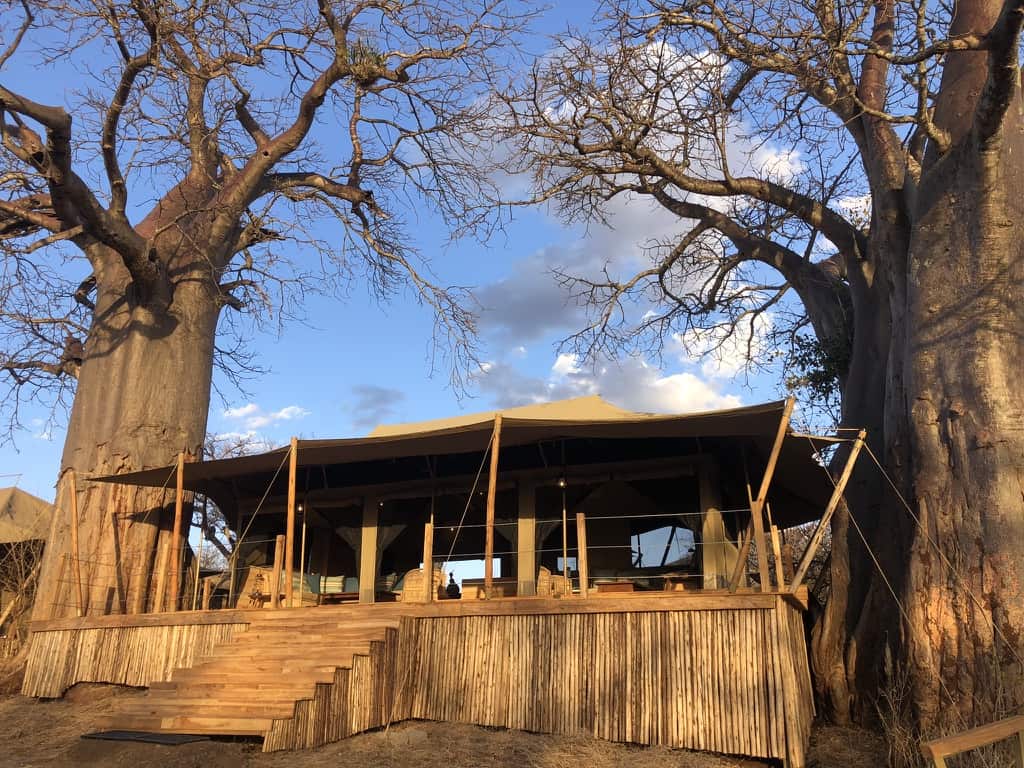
(904, 738)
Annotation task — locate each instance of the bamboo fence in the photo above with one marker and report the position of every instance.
(723, 673)
(126, 655)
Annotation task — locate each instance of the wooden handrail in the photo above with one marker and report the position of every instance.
(939, 749)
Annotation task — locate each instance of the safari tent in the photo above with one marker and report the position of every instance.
(633, 585)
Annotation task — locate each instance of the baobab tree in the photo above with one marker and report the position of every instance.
(847, 175)
(202, 159)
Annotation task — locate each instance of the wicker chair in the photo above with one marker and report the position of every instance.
(412, 586)
(551, 584)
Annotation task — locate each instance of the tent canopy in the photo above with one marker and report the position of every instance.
(800, 485)
(23, 517)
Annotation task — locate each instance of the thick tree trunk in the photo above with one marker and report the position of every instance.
(143, 395)
(950, 436)
(966, 572)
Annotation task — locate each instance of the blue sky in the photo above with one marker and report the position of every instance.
(356, 363)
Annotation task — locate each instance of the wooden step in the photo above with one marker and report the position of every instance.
(270, 688)
(207, 726)
(245, 683)
(286, 656)
(216, 709)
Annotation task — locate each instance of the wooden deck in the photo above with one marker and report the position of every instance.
(710, 670)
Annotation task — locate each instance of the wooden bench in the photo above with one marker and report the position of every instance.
(614, 587)
(939, 749)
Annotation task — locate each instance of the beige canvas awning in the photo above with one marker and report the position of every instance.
(798, 475)
(23, 517)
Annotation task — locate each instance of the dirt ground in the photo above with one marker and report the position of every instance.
(47, 734)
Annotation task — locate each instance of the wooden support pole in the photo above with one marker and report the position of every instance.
(492, 489)
(197, 564)
(76, 566)
(780, 576)
(177, 545)
(207, 590)
(289, 546)
(741, 557)
(757, 508)
(581, 553)
(163, 552)
(368, 551)
(526, 541)
(837, 495)
(275, 579)
(715, 550)
(428, 556)
(302, 558)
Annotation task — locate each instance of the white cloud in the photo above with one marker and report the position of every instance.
(632, 383)
(780, 165)
(565, 364)
(252, 416)
(242, 411)
(529, 304)
(727, 355)
(289, 412)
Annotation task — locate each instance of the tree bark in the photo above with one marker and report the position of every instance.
(966, 411)
(945, 410)
(143, 395)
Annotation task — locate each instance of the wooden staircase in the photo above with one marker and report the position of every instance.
(253, 684)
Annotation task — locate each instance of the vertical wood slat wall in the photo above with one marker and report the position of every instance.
(133, 655)
(731, 681)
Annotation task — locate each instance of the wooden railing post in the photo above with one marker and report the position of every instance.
(177, 547)
(163, 545)
(581, 552)
(275, 579)
(76, 567)
(198, 561)
(492, 489)
(428, 557)
(289, 555)
(975, 738)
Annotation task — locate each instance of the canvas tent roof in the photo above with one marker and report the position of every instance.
(591, 408)
(588, 417)
(23, 517)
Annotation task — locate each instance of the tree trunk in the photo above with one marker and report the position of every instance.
(143, 395)
(965, 597)
(951, 438)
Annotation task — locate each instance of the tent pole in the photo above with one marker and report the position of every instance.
(492, 487)
(289, 532)
(819, 531)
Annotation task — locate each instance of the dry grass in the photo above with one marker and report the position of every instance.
(47, 735)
